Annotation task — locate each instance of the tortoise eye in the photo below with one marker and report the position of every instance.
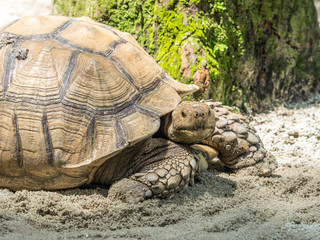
(183, 114)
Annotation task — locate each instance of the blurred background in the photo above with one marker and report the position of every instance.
(13, 9)
(317, 4)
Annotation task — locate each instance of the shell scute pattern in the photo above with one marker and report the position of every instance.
(84, 92)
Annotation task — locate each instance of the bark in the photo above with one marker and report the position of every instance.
(281, 60)
(253, 54)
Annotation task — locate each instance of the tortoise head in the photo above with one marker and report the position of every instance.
(189, 122)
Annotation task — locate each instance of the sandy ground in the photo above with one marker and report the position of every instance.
(220, 206)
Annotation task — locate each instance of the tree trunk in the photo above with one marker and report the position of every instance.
(254, 54)
(281, 60)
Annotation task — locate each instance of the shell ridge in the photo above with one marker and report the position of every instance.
(19, 149)
(67, 73)
(86, 50)
(113, 47)
(48, 139)
(147, 111)
(81, 49)
(106, 26)
(9, 25)
(101, 111)
(62, 27)
(121, 69)
(38, 37)
(154, 84)
(10, 60)
(34, 102)
(122, 135)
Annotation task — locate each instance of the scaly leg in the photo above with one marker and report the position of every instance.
(167, 169)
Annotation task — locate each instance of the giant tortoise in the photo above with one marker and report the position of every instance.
(82, 102)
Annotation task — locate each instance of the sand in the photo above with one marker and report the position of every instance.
(219, 206)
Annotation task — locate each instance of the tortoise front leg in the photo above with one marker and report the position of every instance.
(168, 169)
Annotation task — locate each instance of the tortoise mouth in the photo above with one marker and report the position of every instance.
(191, 135)
(193, 128)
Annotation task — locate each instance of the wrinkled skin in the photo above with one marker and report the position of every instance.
(190, 122)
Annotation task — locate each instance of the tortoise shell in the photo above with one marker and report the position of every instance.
(73, 93)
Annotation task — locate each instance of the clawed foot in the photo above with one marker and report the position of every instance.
(163, 181)
(263, 168)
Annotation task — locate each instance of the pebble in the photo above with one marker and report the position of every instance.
(258, 157)
(294, 134)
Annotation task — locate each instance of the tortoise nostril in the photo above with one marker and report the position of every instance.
(197, 115)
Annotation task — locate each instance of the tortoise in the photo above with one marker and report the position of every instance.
(82, 102)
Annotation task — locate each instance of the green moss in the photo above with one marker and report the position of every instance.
(163, 29)
(256, 52)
